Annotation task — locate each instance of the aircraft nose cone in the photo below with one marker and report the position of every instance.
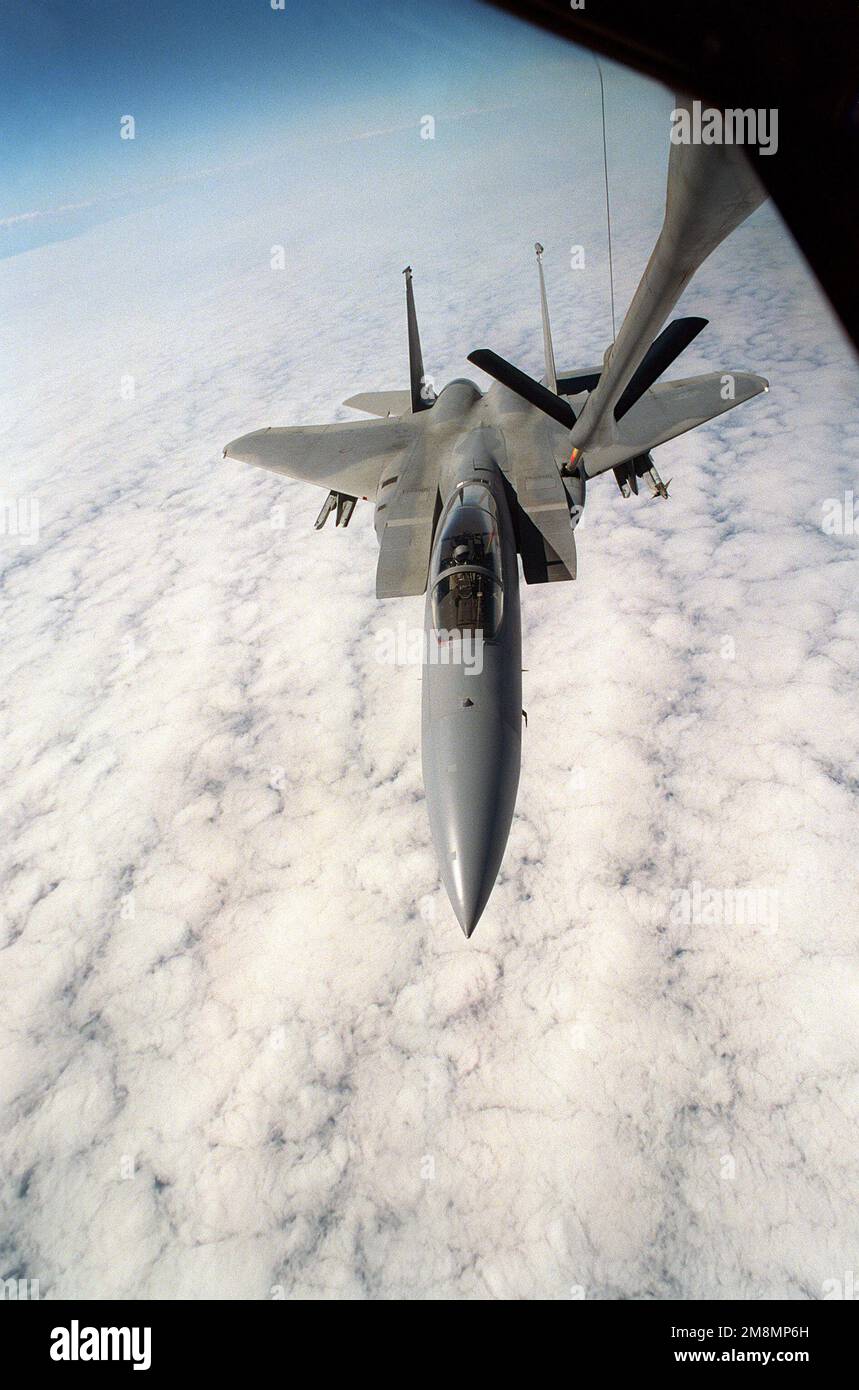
(471, 873)
(471, 773)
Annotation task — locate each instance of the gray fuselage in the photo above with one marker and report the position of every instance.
(472, 680)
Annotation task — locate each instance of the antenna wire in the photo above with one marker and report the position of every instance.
(607, 204)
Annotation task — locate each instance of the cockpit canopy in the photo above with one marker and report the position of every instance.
(466, 578)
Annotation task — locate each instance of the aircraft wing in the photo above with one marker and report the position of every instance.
(347, 458)
(667, 410)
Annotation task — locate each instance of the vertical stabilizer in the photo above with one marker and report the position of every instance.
(548, 350)
(422, 393)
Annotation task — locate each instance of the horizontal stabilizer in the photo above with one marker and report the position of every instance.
(670, 409)
(381, 402)
(524, 386)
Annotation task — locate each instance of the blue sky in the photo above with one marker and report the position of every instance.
(216, 84)
(212, 79)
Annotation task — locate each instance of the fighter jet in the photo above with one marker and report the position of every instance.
(467, 484)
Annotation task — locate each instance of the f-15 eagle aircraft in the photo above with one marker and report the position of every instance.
(466, 484)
